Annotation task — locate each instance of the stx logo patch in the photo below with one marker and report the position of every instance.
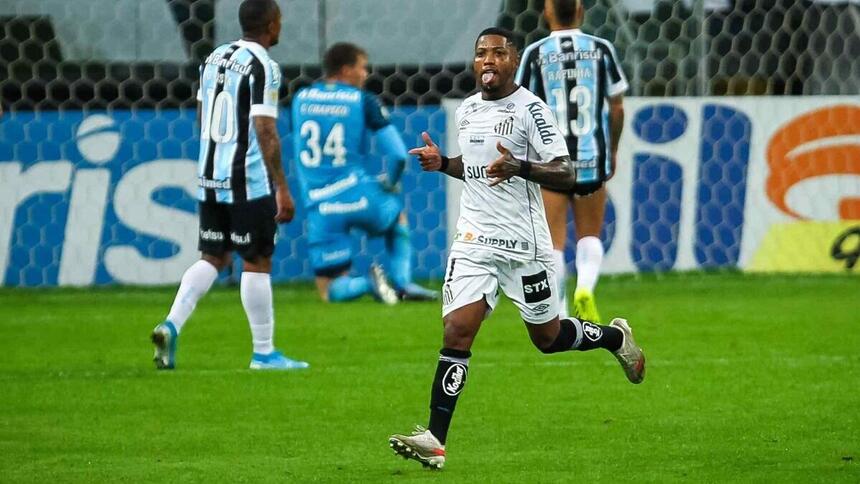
(536, 288)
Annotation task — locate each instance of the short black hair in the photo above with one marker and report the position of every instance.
(256, 15)
(339, 55)
(509, 36)
(565, 10)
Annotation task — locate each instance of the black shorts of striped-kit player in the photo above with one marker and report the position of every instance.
(249, 228)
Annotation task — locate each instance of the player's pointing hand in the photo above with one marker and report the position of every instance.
(428, 155)
(504, 166)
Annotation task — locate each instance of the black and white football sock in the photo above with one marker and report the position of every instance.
(450, 379)
(584, 335)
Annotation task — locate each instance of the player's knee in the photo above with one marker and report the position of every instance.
(218, 261)
(457, 335)
(258, 264)
(544, 344)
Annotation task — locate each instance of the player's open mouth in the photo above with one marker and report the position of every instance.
(488, 77)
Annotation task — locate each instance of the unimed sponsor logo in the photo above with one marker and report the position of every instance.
(336, 208)
(204, 182)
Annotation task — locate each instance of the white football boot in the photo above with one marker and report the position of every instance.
(630, 355)
(421, 446)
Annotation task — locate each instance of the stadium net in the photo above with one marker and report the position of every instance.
(740, 147)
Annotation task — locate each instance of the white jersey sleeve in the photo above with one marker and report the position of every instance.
(543, 133)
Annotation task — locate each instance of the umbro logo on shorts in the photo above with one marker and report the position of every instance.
(536, 287)
(541, 308)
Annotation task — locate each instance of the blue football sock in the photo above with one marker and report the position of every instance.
(346, 288)
(399, 250)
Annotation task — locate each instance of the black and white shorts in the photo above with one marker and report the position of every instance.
(580, 189)
(475, 274)
(249, 228)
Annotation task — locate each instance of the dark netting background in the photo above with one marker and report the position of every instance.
(755, 47)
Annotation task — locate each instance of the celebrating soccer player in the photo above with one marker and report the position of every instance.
(331, 122)
(243, 193)
(502, 239)
(579, 76)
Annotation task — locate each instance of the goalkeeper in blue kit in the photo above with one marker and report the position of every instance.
(332, 123)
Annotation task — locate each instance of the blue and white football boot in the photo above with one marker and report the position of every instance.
(164, 338)
(276, 361)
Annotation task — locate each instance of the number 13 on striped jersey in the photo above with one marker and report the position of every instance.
(583, 124)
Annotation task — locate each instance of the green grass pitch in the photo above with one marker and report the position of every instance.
(750, 378)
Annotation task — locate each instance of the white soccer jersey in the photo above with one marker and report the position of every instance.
(508, 218)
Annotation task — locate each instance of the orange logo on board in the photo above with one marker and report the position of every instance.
(818, 143)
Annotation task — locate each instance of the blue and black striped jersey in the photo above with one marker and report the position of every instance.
(576, 74)
(237, 82)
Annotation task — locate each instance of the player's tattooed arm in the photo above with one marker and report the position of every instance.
(270, 148)
(432, 160)
(558, 174)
